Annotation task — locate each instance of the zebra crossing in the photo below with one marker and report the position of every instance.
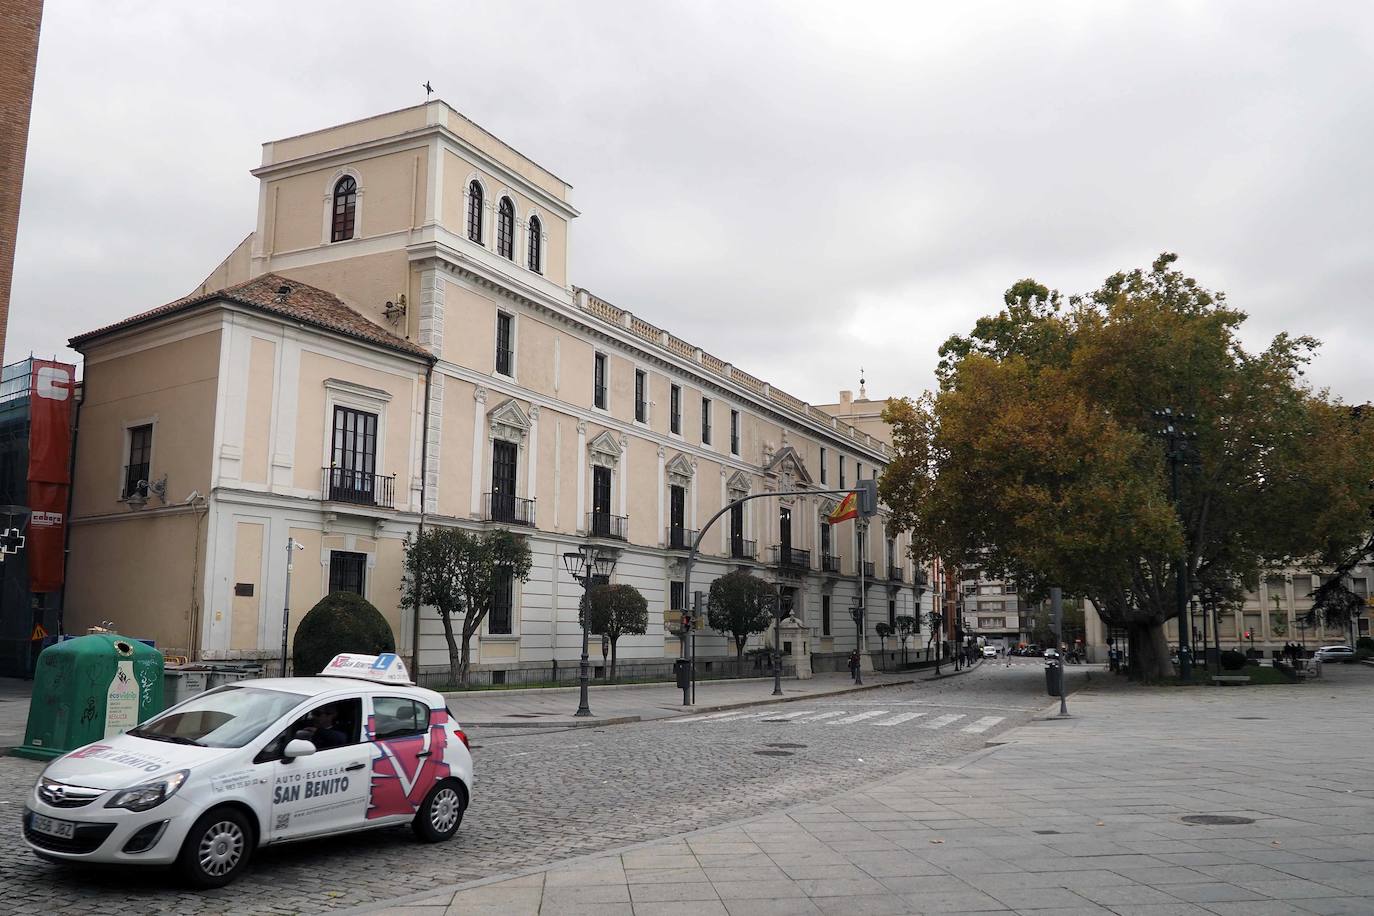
(882, 718)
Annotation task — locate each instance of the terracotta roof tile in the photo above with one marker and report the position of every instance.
(301, 302)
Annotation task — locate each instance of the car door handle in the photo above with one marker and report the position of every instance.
(422, 754)
(356, 766)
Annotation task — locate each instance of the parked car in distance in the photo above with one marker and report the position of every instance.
(1033, 651)
(1334, 654)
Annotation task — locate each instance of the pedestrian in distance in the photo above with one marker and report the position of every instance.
(854, 665)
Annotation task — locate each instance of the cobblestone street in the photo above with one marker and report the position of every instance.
(545, 795)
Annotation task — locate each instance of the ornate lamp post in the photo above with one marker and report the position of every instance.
(857, 612)
(584, 565)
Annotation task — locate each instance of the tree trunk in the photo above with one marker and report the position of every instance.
(1148, 652)
(456, 670)
(739, 652)
(613, 643)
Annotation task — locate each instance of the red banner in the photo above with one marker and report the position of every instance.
(51, 386)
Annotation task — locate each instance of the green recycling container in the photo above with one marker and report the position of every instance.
(89, 688)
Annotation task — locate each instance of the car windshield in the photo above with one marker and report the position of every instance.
(228, 717)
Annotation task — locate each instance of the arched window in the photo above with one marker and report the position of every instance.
(536, 236)
(505, 229)
(345, 208)
(475, 212)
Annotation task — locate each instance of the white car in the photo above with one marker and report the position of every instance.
(255, 763)
(989, 652)
(1334, 654)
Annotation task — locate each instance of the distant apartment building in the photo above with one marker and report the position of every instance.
(993, 612)
(398, 341)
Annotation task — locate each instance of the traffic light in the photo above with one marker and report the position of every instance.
(686, 620)
(1247, 634)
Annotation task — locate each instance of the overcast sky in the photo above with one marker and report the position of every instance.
(799, 188)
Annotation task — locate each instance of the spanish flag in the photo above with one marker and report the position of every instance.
(847, 509)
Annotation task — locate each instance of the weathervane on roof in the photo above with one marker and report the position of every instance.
(429, 90)
(863, 392)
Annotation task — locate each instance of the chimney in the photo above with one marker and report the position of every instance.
(846, 398)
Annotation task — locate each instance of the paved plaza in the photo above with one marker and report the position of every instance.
(954, 795)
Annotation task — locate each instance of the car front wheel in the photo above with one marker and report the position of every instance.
(216, 849)
(441, 812)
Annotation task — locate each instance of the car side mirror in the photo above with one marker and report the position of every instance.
(297, 747)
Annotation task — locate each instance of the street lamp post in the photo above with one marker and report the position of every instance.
(857, 612)
(776, 598)
(584, 565)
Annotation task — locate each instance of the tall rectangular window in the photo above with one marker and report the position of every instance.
(347, 572)
(841, 472)
(825, 540)
(737, 532)
(353, 456)
(822, 466)
(138, 467)
(825, 615)
(505, 355)
(785, 534)
(675, 596)
(892, 613)
(675, 410)
(641, 401)
(858, 471)
(734, 432)
(705, 421)
(499, 621)
(599, 381)
(503, 470)
(677, 517)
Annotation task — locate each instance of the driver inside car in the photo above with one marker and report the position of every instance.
(322, 729)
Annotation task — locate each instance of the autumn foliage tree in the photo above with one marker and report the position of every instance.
(1038, 459)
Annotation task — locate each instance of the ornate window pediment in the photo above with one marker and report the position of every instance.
(604, 451)
(739, 485)
(826, 507)
(786, 465)
(680, 470)
(508, 421)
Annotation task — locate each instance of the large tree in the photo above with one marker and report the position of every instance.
(741, 605)
(456, 572)
(1039, 458)
(614, 611)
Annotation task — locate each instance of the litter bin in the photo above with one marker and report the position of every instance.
(89, 688)
(682, 670)
(183, 682)
(1054, 679)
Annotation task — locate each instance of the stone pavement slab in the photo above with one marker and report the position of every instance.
(1063, 816)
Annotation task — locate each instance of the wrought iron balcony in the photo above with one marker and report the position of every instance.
(830, 563)
(342, 485)
(742, 549)
(679, 538)
(507, 508)
(868, 569)
(605, 525)
(792, 558)
(895, 574)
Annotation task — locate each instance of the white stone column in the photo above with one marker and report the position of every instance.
(623, 472)
(531, 488)
(695, 495)
(479, 404)
(581, 521)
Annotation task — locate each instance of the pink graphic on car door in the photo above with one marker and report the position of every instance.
(405, 769)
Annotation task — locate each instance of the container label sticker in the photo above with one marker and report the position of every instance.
(121, 700)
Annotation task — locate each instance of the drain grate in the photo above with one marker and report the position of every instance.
(1046, 832)
(774, 753)
(526, 715)
(1253, 718)
(1215, 820)
(784, 744)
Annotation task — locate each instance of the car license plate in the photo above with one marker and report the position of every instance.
(63, 830)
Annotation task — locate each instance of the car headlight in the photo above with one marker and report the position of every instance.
(149, 794)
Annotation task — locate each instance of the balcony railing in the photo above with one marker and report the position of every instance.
(791, 558)
(679, 538)
(342, 485)
(895, 574)
(507, 508)
(868, 569)
(830, 563)
(605, 525)
(742, 549)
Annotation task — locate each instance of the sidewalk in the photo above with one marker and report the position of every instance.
(1146, 803)
(14, 711)
(616, 704)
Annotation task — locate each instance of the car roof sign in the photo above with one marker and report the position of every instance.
(386, 668)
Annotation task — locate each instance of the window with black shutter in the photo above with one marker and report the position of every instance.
(677, 510)
(601, 501)
(734, 432)
(353, 456)
(536, 235)
(505, 229)
(737, 531)
(505, 355)
(347, 572)
(138, 467)
(641, 402)
(785, 534)
(599, 381)
(503, 468)
(705, 421)
(345, 209)
(475, 212)
(675, 410)
(501, 617)
(825, 615)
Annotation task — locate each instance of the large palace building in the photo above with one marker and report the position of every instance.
(398, 342)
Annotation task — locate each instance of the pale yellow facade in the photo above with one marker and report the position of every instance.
(259, 435)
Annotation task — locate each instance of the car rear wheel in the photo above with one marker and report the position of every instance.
(216, 849)
(441, 812)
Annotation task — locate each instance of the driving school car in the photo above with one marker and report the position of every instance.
(255, 763)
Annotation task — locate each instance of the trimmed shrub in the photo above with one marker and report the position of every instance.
(1366, 643)
(341, 622)
(1232, 660)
